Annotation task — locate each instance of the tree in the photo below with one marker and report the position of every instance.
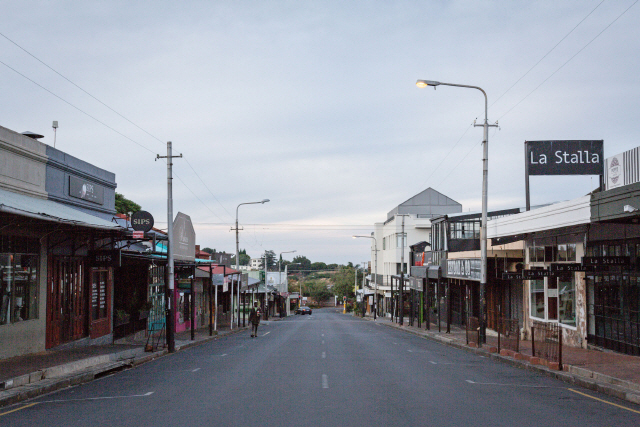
(244, 258)
(124, 205)
(271, 260)
(343, 282)
(209, 251)
(318, 266)
(304, 262)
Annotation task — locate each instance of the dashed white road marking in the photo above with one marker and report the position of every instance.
(223, 355)
(324, 355)
(195, 370)
(323, 342)
(325, 381)
(321, 335)
(267, 333)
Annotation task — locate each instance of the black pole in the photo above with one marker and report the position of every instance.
(210, 300)
(526, 176)
(193, 304)
(401, 298)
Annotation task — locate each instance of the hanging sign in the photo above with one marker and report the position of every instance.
(606, 260)
(142, 221)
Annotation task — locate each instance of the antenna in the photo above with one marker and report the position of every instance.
(55, 128)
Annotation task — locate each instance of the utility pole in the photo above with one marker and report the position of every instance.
(401, 287)
(171, 340)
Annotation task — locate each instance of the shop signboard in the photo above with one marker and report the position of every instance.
(512, 276)
(464, 268)
(86, 190)
(105, 258)
(184, 238)
(567, 157)
(536, 274)
(606, 260)
(564, 157)
(142, 221)
(570, 267)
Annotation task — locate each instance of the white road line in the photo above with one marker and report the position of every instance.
(324, 355)
(223, 355)
(322, 335)
(98, 398)
(513, 385)
(325, 381)
(410, 351)
(323, 342)
(266, 333)
(195, 370)
(432, 362)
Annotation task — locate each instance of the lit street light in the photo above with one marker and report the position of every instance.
(375, 280)
(483, 227)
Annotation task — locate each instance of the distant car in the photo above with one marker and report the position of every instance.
(303, 310)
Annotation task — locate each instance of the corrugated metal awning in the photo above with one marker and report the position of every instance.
(48, 210)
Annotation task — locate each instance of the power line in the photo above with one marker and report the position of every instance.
(546, 54)
(569, 60)
(111, 109)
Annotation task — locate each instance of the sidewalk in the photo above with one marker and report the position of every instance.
(29, 376)
(606, 372)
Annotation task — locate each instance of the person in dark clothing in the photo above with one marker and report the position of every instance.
(254, 318)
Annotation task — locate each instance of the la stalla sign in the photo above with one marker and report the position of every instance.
(564, 157)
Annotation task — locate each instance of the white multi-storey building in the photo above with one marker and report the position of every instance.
(413, 218)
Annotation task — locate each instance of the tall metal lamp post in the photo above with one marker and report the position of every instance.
(280, 274)
(483, 227)
(238, 252)
(375, 300)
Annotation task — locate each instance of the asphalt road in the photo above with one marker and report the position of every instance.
(328, 369)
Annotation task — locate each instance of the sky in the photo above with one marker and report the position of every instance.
(313, 104)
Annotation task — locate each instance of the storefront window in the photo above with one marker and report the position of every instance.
(567, 252)
(537, 298)
(18, 287)
(567, 300)
(552, 298)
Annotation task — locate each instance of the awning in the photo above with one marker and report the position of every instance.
(434, 272)
(48, 210)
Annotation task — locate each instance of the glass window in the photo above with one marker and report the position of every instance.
(399, 240)
(18, 287)
(567, 300)
(552, 298)
(562, 252)
(537, 298)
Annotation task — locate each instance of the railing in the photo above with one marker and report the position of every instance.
(508, 334)
(473, 330)
(615, 328)
(546, 342)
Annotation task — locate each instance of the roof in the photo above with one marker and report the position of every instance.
(217, 269)
(48, 210)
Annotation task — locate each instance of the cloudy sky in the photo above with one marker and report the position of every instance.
(313, 104)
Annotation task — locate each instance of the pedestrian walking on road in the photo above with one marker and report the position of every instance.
(254, 318)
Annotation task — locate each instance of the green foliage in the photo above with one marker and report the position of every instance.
(244, 258)
(317, 289)
(209, 250)
(124, 205)
(304, 262)
(344, 280)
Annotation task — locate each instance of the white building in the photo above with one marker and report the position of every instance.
(415, 213)
(256, 263)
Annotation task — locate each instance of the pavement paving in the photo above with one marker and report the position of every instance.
(606, 372)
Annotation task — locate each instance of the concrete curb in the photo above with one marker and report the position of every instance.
(585, 378)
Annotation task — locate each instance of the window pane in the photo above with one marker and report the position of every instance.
(562, 252)
(537, 298)
(6, 277)
(567, 301)
(571, 252)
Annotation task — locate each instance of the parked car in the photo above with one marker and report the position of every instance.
(303, 310)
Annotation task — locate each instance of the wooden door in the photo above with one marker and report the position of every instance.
(54, 307)
(66, 301)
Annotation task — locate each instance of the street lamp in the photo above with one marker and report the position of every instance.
(483, 226)
(238, 253)
(375, 248)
